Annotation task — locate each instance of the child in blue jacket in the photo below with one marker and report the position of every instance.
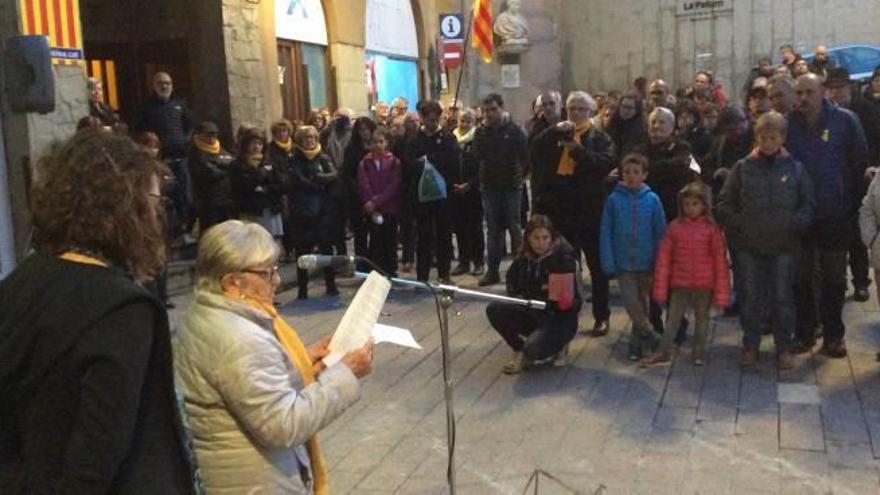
(633, 223)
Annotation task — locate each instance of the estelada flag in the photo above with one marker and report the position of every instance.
(481, 38)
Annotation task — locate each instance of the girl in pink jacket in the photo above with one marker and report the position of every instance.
(691, 271)
(379, 179)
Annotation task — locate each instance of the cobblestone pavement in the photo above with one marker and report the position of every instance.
(601, 420)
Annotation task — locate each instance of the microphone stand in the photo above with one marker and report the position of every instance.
(445, 296)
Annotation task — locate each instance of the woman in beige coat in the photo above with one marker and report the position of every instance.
(254, 394)
(869, 227)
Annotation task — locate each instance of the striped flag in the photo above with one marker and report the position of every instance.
(59, 21)
(482, 34)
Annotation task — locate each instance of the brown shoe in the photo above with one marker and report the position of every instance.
(834, 349)
(656, 359)
(784, 361)
(748, 357)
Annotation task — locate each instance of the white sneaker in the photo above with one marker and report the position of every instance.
(515, 365)
(561, 358)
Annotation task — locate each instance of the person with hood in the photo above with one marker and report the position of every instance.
(691, 271)
(467, 208)
(633, 223)
(209, 168)
(316, 219)
(86, 379)
(545, 270)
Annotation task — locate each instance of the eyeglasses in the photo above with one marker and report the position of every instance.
(267, 275)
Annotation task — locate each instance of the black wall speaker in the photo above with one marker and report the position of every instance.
(30, 81)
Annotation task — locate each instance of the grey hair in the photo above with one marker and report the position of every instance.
(230, 247)
(783, 79)
(92, 83)
(663, 112)
(582, 96)
(468, 112)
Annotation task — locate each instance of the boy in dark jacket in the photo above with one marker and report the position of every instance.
(766, 205)
(633, 223)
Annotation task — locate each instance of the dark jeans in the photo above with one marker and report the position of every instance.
(408, 234)
(502, 210)
(467, 213)
(435, 237)
(858, 263)
(180, 197)
(359, 229)
(302, 276)
(383, 244)
(831, 289)
(538, 334)
(589, 245)
(768, 283)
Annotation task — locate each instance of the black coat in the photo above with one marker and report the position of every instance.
(574, 203)
(528, 277)
(503, 154)
(170, 121)
(212, 188)
(256, 188)
(314, 203)
(442, 151)
(86, 377)
(669, 171)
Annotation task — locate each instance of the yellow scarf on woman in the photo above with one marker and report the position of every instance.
(284, 145)
(206, 146)
(566, 162)
(312, 153)
(298, 353)
(82, 259)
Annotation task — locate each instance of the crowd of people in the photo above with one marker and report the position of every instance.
(416, 190)
(687, 199)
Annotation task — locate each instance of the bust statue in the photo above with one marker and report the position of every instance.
(512, 27)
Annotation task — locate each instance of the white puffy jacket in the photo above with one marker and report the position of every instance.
(249, 413)
(869, 221)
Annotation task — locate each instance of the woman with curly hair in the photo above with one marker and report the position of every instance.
(85, 351)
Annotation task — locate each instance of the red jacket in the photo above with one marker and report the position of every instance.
(692, 255)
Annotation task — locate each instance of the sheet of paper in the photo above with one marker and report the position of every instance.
(382, 334)
(394, 335)
(356, 326)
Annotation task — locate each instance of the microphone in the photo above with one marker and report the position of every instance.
(315, 261)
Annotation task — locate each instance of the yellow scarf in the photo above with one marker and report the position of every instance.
(286, 145)
(82, 259)
(298, 353)
(566, 162)
(312, 153)
(206, 146)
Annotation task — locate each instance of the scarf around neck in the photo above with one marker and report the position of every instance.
(284, 145)
(206, 146)
(312, 153)
(566, 162)
(295, 349)
(254, 160)
(466, 137)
